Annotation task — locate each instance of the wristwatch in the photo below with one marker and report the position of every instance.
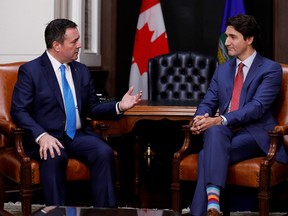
(222, 120)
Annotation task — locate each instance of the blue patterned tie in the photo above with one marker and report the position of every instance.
(69, 105)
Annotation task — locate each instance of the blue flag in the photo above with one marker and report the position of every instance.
(232, 8)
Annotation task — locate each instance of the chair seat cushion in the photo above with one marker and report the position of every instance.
(245, 173)
(10, 167)
(77, 171)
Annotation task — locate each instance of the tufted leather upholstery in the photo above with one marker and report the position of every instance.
(14, 163)
(180, 76)
(262, 172)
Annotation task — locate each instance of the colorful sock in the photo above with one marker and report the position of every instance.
(213, 195)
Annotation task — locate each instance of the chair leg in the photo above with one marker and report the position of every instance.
(264, 194)
(176, 197)
(2, 193)
(26, 189)
(26, 201)
(118, 183)
(2, 198)
(264, 200)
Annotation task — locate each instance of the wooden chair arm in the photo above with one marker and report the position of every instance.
(185, 148)
(281, 129)
(15, 134)
(278, 136)
(178, 157)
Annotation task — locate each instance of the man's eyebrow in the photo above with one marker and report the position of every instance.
(231, 34)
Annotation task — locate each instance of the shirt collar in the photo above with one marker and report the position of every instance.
(247, 62)
(55, 63)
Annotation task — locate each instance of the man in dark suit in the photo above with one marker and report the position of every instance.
(240, 131)
(58, 129)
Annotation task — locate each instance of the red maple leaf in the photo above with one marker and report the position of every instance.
(145, 48)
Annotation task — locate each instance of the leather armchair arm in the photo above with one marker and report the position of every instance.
(7, 128)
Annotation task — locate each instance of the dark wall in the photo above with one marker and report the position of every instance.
(262, 10)
(190, 25)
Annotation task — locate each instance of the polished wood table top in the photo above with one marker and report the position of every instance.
(150, 110)
(163, 108)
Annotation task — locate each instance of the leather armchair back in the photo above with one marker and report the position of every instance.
(180, 76)
(282, 105)
(8, 77)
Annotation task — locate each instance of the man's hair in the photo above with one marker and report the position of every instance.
(55, 31)
(247, 26)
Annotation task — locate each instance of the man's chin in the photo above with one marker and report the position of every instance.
(231, 54)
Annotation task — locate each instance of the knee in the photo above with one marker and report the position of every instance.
(217, 137)
(217, 132)
(57, 159)
(213, 130)
(105, 154)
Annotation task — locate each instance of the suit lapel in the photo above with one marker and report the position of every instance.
(230, 77)
(49, 75)
(77, 84)
(253, 71)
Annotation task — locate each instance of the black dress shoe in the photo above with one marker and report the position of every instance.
(213, 212)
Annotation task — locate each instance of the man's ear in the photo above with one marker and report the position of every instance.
(56, 46)
(250, 40)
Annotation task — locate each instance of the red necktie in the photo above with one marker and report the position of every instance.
(238, 83)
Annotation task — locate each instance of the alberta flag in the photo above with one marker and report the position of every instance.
(150, 40)
(232, 8)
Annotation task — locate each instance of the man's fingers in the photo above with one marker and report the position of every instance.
(48, 147)
(130, 90)
(51, 152)
(44, 154)
(41, 154)
(59, 144)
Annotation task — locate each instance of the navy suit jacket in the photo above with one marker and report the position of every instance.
(256, 106)
(37, 104)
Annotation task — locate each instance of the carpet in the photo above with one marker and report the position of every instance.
(246, 213)
(15, 209)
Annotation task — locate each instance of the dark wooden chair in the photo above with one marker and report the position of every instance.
(15, 165)
(262, 173)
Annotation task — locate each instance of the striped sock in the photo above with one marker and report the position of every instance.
(213, 195)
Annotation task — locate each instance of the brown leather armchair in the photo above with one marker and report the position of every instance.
(262, 173)
(14, 163)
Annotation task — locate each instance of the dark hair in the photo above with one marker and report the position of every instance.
(56, 29)
(247, 26)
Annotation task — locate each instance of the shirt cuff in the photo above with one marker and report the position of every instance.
(39, 137)
(118, 111)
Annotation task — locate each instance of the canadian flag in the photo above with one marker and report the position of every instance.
(150, 40)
